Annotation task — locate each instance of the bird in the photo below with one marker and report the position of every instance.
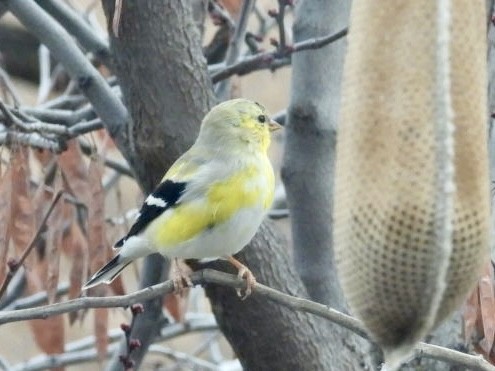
(211, 201)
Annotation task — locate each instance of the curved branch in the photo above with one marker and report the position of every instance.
(81, 30)
(106, 104)
(209, 276)
(275, 59)
(223, 89)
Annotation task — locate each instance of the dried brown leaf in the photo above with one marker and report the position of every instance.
(105, 141)
(54, 241)
(487, 306)
(43, 156)
(5, 216)
(472, 316)
(176, 305)
(49, 335)
(79, 268)
(75, 170)
(22, 225)
(233, 7)
(96, 216)
(101, 332)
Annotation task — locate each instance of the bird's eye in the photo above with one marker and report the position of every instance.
(262, 118)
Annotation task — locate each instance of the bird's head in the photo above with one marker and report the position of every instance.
(239, 123)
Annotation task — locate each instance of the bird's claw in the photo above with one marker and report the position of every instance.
(181, 280)
(244, 272)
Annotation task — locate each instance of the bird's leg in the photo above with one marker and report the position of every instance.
(243, 272)
(179, 277)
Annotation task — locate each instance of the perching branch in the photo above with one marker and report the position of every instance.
(208, 276)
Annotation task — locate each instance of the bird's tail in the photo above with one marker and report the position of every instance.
(108, 273)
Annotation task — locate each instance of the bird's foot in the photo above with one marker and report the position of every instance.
(182, 280)
(243, 272)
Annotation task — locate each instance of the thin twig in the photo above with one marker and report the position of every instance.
(45, 84)
(222, 90)
(182, 357)
(32, 140)
(123, 169)
(67, 117)
(209, 276)
(273, 60)
(280, 18)
(15, 266)
(60, 132)
(7, 86)
(15, 291)
(219, 14)
(36, 299)
(75, 24)
(117, 13)
(105, 102)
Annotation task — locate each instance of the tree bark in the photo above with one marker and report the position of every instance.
(308, 163)
(163, 77)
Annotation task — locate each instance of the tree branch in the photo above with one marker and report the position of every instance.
(208, 276)
(80, 29)
(275, 59)
(222, 90)
(55, 37)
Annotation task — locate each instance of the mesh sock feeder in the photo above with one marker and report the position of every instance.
(412, 208)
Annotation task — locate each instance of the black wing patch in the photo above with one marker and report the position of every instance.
(163, 198)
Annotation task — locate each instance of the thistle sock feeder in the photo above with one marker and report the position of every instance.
(412, 215)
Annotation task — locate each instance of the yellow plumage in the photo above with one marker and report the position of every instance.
(212, 200)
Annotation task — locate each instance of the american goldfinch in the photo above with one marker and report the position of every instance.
(212, 200)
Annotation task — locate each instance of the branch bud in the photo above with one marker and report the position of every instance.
(134, 344)
(137, 309)
(125, 327)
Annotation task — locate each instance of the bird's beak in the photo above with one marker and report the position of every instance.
(274, 125)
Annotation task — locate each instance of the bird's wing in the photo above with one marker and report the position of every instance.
(168, 193)
(164, 197)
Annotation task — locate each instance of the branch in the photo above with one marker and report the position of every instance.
(112, 164)
(65, 117)
(219, 15)
(222, 90)
(30, 139)
(93, 85)
(280, 19)
(35, 299)
(275, 59)
(7, 86)
(208, 276)
(59, 134)
(80, 29)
